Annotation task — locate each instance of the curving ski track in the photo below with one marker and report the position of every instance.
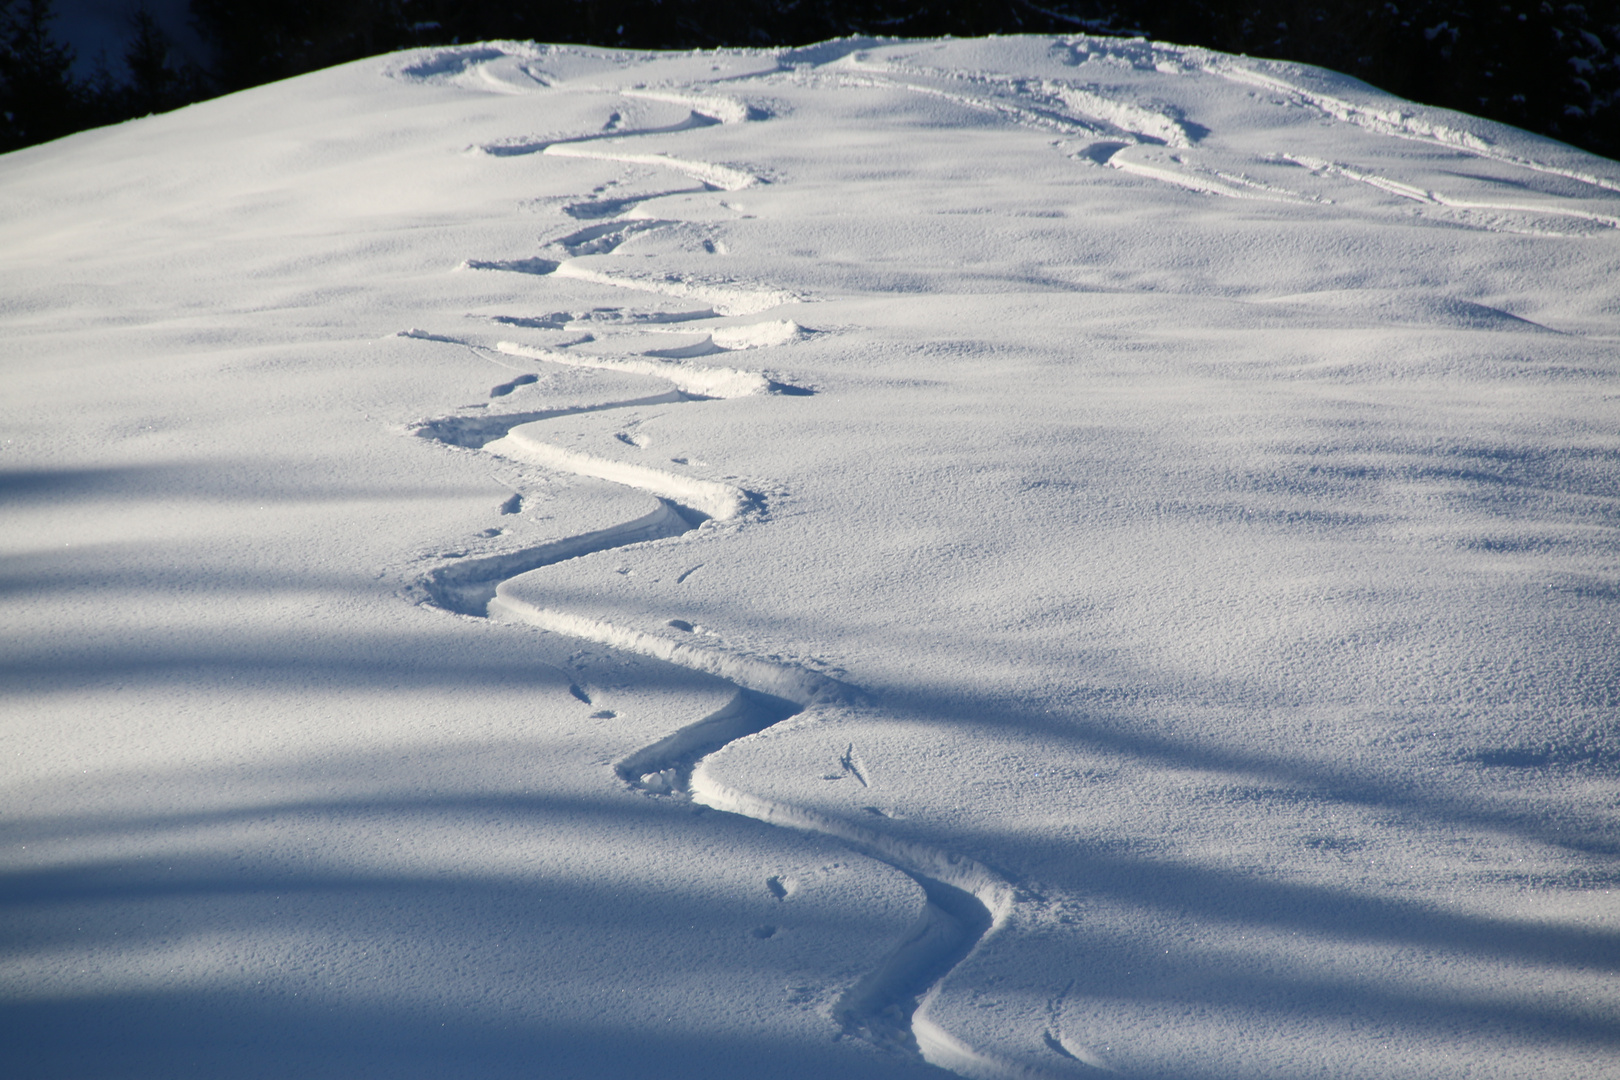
(965, 901)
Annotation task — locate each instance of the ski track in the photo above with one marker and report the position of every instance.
(522, 147)
(1048, 104)
(965, 901)
(1073, 110)
(706, 110)
(607, 237)
(1435, 198)
(703, 382)
(724, 297)
(727, 298)
(715, 108)
(1400, 125)
(723, 177)
(1167, 174)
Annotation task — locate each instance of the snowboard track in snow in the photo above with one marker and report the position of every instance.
(1107, 124)
(964, 900)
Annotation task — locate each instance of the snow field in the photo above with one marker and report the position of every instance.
(1145, 602)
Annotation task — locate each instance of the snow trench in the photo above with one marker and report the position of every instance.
(700, 499)
(468, 586)
(712, 382)
(965, 901)
(1399, 123)
(476, 432)
(723, 177)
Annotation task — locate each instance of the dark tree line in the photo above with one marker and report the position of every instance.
(1549, 67)
(40, 99)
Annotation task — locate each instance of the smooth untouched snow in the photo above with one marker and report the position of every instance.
(1011, 558)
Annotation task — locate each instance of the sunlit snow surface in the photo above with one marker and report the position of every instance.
(1174, 496)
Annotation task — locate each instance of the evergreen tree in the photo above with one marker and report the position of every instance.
(158, 80)
(39, 99)
(151, 77)
(259, 41)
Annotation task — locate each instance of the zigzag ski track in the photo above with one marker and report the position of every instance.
(965, 901)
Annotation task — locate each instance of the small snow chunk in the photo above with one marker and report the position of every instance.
(758, 335)
(659, 783)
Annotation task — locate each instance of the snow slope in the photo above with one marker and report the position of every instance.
(1006, 558)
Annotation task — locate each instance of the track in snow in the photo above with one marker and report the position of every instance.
(1156, 142)
(965, 901)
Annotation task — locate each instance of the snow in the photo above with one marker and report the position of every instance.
(1014, 557)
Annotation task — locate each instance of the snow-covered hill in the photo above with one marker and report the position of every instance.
(1012, 556)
